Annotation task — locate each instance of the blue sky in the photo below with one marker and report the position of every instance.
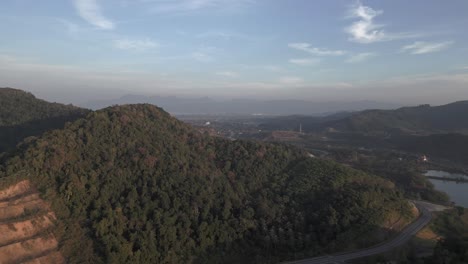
(395, 51)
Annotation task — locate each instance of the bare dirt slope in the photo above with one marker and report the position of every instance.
(26, 222)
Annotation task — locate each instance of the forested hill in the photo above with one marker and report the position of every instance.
(19, 107)
(131, 184)
(420, 119)
(23, 115)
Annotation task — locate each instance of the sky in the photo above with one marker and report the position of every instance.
(399, 51)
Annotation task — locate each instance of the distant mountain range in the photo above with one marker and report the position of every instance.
(205, 105)
(438, 131)
(423, 119)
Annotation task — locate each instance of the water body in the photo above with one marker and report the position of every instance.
(458, 191)
(445, 174)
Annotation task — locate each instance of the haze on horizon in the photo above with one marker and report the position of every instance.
(405, 52)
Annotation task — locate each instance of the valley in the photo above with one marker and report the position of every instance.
(134, 184)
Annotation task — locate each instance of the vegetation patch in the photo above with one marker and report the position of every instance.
(131, 184)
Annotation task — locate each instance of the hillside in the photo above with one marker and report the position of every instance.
(23, 115)
(26, 224)
(307, 123)
(131, 184)
(421, 119)
(452, 147)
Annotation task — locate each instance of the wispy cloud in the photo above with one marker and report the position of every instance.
(229, 74)
(365, 30)
(360, 57)
(135, 45)
(202, 57)
(178, 6)
(315, 51)
(90, 11)
(221, 35)
(305, 61)
(291, 80)
(271, 68)
(268, 67)
(71, 27)
(207, 53)
(422, 47)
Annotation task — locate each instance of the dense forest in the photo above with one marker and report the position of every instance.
(403, 170)
(452, 147)
(452, 248)
(22, 115)
(131, 184)
(20, 107)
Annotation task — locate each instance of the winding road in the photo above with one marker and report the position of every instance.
(405, 235)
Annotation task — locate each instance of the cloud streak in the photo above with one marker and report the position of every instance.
(360, 57)
(291, 80)
(222, 35)
(202, 57)
(229, 74)
(207, 54)
(90, 11)
(180, 6)
(306, 47)
(135, 45)
(305, 61)
(422, 47)
(268, 68)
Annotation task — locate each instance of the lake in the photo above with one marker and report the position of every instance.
(458, 192)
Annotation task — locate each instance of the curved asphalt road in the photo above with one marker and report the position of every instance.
(401, 239)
